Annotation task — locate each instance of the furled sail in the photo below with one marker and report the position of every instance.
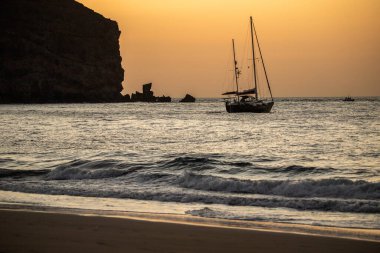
(230, 93)
(244, 92)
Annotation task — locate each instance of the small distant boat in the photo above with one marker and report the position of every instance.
(348, 99)
(248, 100)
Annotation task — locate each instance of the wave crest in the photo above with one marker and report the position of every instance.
(21, 173)
(83, 169)
(335, 188)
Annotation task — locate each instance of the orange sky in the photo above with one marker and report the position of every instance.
(311, 47)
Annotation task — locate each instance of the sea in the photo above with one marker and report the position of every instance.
(312, 161)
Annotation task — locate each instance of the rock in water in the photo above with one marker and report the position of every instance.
(164, 99)
(148, 96)
(57, 51)
(187, 99)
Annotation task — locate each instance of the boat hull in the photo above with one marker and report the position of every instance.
(253, 107)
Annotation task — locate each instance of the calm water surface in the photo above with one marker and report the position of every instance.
(310, 161)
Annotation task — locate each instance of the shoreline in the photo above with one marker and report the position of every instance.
(26, 230)
(361, 234)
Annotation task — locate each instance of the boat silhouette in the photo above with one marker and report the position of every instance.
(249, 100)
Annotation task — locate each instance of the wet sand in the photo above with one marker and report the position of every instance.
(27, 231)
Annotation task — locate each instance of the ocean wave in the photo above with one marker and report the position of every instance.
(176, 195)
(189, 162)
(5, 160)
(106, 169)
(4, 173)
(333, 188)
(297, 169)
(347, 220)
(75, 170)
(98, 169)
(211, 162)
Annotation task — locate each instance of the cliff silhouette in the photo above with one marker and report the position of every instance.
(58, 51)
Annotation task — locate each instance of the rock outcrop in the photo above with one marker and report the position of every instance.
(148, 96)
(58, 51)
(187, 99)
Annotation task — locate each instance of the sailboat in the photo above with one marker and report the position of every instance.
(248, 100)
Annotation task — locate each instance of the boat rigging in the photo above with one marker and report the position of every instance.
(243, 101)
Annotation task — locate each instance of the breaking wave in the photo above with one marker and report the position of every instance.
(199, 179)
(181, 196)
(335, 188)
(22, 173)
(80, 169)
(110, 168)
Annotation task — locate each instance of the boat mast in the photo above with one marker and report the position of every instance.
(236, 70)
(254, 60)
(262, 60)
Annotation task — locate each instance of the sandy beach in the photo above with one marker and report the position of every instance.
(27, 231)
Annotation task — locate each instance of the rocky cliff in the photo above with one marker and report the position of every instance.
(57, 51)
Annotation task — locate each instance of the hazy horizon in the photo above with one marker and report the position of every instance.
(311, 49)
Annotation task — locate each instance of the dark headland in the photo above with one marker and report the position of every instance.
(54, 51)
(59, 51)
